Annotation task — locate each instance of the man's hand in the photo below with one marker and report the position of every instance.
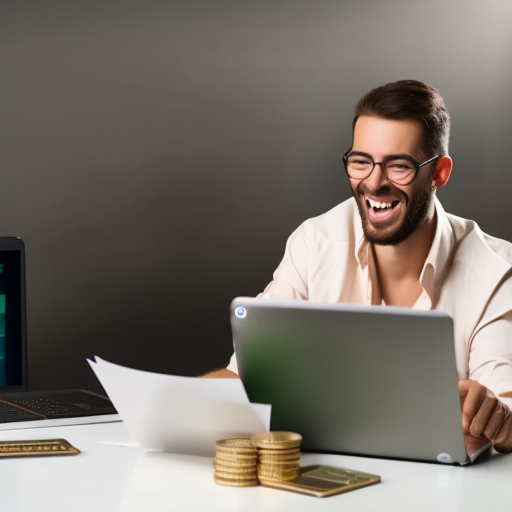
(484, 416)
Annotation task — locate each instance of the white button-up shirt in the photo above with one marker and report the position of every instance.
(467, 274)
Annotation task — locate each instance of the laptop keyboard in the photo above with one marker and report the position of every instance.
(27, 409)
(9, 414)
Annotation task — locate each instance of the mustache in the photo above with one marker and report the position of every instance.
(383, 191)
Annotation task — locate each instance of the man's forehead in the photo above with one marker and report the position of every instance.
(384, 136)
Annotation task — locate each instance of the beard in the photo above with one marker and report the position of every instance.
(417, 213)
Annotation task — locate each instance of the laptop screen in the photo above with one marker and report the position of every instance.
(12, 315)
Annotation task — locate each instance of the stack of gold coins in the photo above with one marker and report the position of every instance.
(279, 455)
(236, 462)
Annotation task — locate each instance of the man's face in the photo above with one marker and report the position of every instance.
(389, 212)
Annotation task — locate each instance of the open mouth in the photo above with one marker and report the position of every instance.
(381, 206)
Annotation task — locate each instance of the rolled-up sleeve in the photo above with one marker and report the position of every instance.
(490, 354)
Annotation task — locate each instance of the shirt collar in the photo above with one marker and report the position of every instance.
(431, 275)
(362, 245)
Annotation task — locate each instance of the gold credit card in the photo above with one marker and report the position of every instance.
(36, 448)
(324, 481)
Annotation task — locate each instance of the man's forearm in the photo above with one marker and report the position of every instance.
(223, 373)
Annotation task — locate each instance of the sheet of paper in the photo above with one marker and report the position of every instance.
(180, 414)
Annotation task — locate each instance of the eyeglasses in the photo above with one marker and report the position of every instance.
(400, 169)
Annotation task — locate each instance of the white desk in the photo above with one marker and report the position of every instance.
(110, 478)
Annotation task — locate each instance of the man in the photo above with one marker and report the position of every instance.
(393, 244)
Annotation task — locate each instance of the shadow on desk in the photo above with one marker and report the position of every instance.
(167, 478)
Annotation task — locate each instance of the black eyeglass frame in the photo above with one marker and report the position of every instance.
(382, 163)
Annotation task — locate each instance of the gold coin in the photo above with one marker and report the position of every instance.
(271, 457)
(235, 468)
(277, 440)
(279, 453)
(241, 451)
(236, 476)
(235, 463)
(280, 463)
(266, 480)
(268, 472)
(281, 458)
(236, 483)
(277, 478)
(279, 467)
(234, 453)
(236, 444)
(272, 470)
(236, 457)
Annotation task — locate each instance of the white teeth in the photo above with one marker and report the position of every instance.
(376, 204)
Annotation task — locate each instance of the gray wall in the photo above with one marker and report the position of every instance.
(156, 155)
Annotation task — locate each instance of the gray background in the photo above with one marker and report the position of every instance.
(156, 155)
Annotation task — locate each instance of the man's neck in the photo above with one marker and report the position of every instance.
(399, 266)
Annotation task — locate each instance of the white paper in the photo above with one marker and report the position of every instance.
(180, 414)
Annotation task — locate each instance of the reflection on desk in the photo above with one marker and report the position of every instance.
(109, 475)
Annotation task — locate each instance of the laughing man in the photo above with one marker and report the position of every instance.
(393, 244)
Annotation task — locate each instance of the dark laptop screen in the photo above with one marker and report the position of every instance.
(12, 315)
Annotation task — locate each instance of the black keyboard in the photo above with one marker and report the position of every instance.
(9, 414)
(19, 407)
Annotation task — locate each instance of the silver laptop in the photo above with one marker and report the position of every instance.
(377, 381)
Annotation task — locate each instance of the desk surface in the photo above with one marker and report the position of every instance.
(108, 476)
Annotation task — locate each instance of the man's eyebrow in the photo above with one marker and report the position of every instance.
(401, 155)
(397, 155)
(360, 153)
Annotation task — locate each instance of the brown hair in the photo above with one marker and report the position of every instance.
(410, 99)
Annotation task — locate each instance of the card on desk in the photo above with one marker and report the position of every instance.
(37, 448)
(322, 481)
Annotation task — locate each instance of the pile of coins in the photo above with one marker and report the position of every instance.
(244, 462)
(236, 463)
(279, 455)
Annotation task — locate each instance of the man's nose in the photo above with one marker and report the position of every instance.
(377, 178)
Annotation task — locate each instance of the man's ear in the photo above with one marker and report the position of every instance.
(443, 170)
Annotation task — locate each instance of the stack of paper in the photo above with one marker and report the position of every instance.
(180, 414)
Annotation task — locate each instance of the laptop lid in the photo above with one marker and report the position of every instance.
(376, 381)
(13, 342)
